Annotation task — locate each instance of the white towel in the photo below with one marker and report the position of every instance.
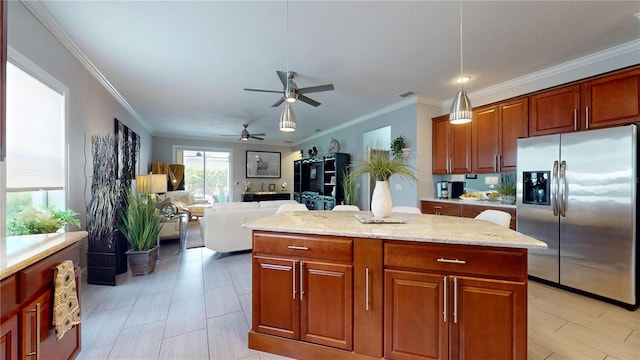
(66, 311)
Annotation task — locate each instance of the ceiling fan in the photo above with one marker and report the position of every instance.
(291, 92)
(245, 135)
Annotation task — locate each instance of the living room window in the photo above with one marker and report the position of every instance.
(207, 174)
(35, 128)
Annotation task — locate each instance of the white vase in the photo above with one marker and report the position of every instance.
(381, 200)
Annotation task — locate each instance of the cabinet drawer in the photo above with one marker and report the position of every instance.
(40, 275)
(440, 208)
(8, 295)
(494, 262)
(307, 246)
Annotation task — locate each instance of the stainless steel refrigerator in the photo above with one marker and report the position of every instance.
(577, 192)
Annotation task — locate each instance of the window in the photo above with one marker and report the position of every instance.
(207, 174)
(35, 128)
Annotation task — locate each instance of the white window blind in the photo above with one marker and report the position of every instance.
(35, 134)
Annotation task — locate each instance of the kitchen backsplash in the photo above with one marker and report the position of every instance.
(474, 182)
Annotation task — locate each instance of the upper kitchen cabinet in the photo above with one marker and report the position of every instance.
(555, 111)
(451, 147)
(494, 132)
(612, 100)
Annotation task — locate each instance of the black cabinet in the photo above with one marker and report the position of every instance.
(320, 178)
(249, 197)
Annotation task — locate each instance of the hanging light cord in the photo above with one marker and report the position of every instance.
(461, 56)
(286, 42)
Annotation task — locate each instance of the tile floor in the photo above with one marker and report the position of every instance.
(197, 307)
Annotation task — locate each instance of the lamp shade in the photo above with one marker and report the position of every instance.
(152, 183)
(461, 110)
(287, 119)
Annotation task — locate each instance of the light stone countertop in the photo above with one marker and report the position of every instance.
(483, 202)
(421, 228)
(18, 252)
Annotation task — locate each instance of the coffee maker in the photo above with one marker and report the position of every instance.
(456, 188)
(442, 189)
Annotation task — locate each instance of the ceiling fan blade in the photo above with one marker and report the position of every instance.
(255, 137)
(258, 134)
(269, 91)
(283, 77)
(277, 103)
(313, 89)
(308, 100)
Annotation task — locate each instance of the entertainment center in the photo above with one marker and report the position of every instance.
(317, 180)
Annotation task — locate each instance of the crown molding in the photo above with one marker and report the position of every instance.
(39, 11)
(551, 76)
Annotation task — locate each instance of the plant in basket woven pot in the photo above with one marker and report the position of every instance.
(507, 189)
(140, 225)
(381, 168)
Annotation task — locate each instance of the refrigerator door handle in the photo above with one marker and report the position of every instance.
(554, 188)
(563, 189)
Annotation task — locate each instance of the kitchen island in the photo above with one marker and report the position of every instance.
(326, 285)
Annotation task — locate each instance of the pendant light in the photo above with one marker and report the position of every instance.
(461, 110)
(287, 119)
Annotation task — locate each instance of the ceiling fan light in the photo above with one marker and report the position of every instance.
(291, 96)
(287, 119)
(461, 110)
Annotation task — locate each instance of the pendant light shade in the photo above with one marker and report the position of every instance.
(461, 110)
(287, 119)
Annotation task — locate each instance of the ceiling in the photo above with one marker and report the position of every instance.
(182, 66)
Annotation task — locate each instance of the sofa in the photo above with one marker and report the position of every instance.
(195, 206)
(221, 224)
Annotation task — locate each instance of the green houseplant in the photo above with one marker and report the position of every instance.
(396, 147)
(381, 167)
(507, 188)
(349, 189)
(140, 225)
(41, 221)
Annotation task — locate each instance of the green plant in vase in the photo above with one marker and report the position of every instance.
(348, 189)
(396, 147)
(140, 225)
(507, 188)
(381, 167)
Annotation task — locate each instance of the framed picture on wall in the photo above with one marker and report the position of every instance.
(127, 151)
(263, 164)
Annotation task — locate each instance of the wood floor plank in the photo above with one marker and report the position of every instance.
(596, 340)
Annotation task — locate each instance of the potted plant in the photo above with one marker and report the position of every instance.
(507, 189)
(348, 189)
(381, 168)
(41, 221)
(140, 225)
(396, 147)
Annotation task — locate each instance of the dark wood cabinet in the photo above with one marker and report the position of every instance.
(451, 147)
(612, 100)
(513, 118)
(303, 288)
(367, 297)
(485, 136)
(463, 210)
(9, 338)
(250, 196)
(444, 302)
(555, 111)
(322, 177)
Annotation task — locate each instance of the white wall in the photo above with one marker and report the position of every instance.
(91, 107)
(163, 151)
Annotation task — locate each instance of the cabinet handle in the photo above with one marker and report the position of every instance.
(587, 115)
(437, 207)
(301, 281)
(293, 285)
(575, 119)
(453, 261)
(297, 247)
(499, 166)
(495, 163)
(366, 289)
(444, 300)
(450, 166)
(455, 300)
(37, 352)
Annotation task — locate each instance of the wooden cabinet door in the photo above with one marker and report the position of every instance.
(490, 319)
(276, 308)
(460, 148)
(439, 208)
(414, 316)
(484, 137)
(367, 297)
(326, 311)
(513, 122)
(440, 143)
(612, 100)
(9, 339)
(555, 111)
